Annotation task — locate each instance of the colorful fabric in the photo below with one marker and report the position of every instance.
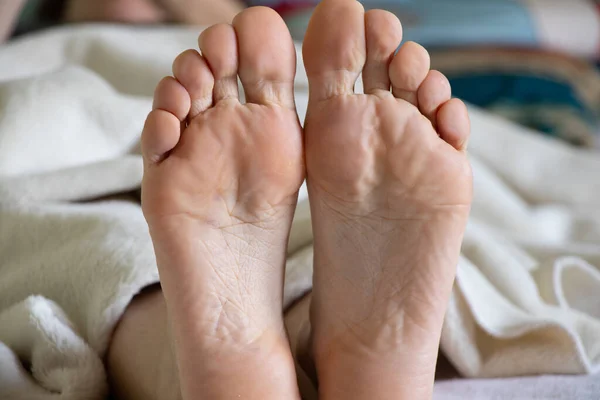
(548, 92)
(508, 56)
(38, 14)
(570, 26)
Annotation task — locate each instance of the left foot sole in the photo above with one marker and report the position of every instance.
(219, 192)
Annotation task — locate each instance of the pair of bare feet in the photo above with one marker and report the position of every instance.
(389, 186)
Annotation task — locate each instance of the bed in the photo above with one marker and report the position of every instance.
(524, 317)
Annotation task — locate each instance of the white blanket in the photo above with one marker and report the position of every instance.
(72, 105)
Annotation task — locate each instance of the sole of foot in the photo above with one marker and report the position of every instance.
(390, 189)
(220, 186)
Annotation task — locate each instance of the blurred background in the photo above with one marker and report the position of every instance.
(532, 61)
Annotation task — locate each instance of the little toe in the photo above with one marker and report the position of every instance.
(163, 126)
(408, 70)
(192, 71)
(453, 124)
(218, 45)
(172, 97)
(267, 57)
(334, 48)
(433, 92)
(161, 134)
(384, 34)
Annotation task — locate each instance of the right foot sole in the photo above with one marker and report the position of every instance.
(390, 191)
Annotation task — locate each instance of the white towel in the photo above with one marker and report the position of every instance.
(72, 105)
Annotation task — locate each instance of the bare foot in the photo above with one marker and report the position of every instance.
(219, 192)
(390, 191)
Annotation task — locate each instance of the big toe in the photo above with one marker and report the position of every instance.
(267, 57)
(334, 48)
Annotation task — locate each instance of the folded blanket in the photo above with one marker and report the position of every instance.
(72, 253)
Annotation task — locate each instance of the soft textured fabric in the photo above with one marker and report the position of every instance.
(72, 254)
(530, 388)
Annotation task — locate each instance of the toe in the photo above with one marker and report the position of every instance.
(453, 124)
(218, 45)
(267, 57)
(171, 96)
(334, 48)
(408, 70)
(163, 126)
(384, 34)
(433, 92)
(160, 135)
(192, 71)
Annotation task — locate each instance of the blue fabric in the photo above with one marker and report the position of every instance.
(462, 22)
(446, 22)
(532, 100)
(487, 89)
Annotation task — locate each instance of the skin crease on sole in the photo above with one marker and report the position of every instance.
(390, 191)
